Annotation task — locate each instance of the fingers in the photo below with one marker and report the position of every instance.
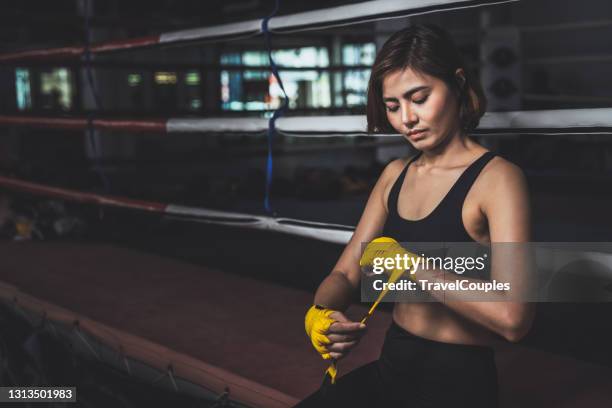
(350, 328)
(338, 351)
(343, 325)
(341, 347)
(337, 356)
(341, 344)
(342, 338)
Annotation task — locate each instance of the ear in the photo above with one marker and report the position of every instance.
(460, 76)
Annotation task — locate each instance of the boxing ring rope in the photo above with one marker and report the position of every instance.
(566, 121)
(82, 123)
(557, 121)
(333, 233)
(309, 20)
(325, 232)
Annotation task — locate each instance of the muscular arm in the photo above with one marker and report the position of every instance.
(506, 208)
(336, 290)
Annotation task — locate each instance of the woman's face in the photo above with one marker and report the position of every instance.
(420, 107)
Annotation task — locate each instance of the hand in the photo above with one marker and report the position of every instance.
(343, 335)
(369, 273)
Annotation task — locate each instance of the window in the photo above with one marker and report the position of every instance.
(56, 89)
(134, 80)
(165, 78)
(22, 88)
(257, 89)
(355, 81)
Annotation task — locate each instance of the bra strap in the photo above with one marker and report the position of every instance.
(394, 193)
(469, 177)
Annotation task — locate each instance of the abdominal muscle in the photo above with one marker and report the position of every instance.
(435, 321)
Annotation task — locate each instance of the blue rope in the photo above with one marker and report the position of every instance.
(278, 112)
(97, 101)
(88, 71)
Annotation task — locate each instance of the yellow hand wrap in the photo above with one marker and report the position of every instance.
(385, 247)
(317, 323)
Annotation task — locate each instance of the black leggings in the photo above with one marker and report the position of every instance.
(414, 372)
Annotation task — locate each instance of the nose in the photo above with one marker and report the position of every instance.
(409, 116)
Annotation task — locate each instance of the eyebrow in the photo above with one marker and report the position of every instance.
(406, 94)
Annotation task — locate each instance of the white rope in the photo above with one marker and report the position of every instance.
(333, 233)
(217, 125)
(355, 125)
(548, 119)
(327, 18)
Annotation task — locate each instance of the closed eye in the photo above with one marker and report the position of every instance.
(421, 100)
(391, 108)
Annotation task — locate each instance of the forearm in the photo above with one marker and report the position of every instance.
(335, 292)
(498, 310)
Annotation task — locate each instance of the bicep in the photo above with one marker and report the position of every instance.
(507, 206)
(508, 214)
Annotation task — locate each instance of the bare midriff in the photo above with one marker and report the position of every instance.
(435, 321)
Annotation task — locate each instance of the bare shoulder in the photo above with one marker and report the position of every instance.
(393, 170)
(502, 181)
(500, 172)
(389, 175)
(504, 201)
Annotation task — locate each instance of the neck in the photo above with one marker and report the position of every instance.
(450, 152)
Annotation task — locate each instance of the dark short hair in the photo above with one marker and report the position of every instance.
(430, 50)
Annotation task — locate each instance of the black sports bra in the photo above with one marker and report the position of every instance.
(444, 223)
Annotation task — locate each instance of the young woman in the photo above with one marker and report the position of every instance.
(436, 354)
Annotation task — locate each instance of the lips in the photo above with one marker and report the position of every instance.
(416, 132)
